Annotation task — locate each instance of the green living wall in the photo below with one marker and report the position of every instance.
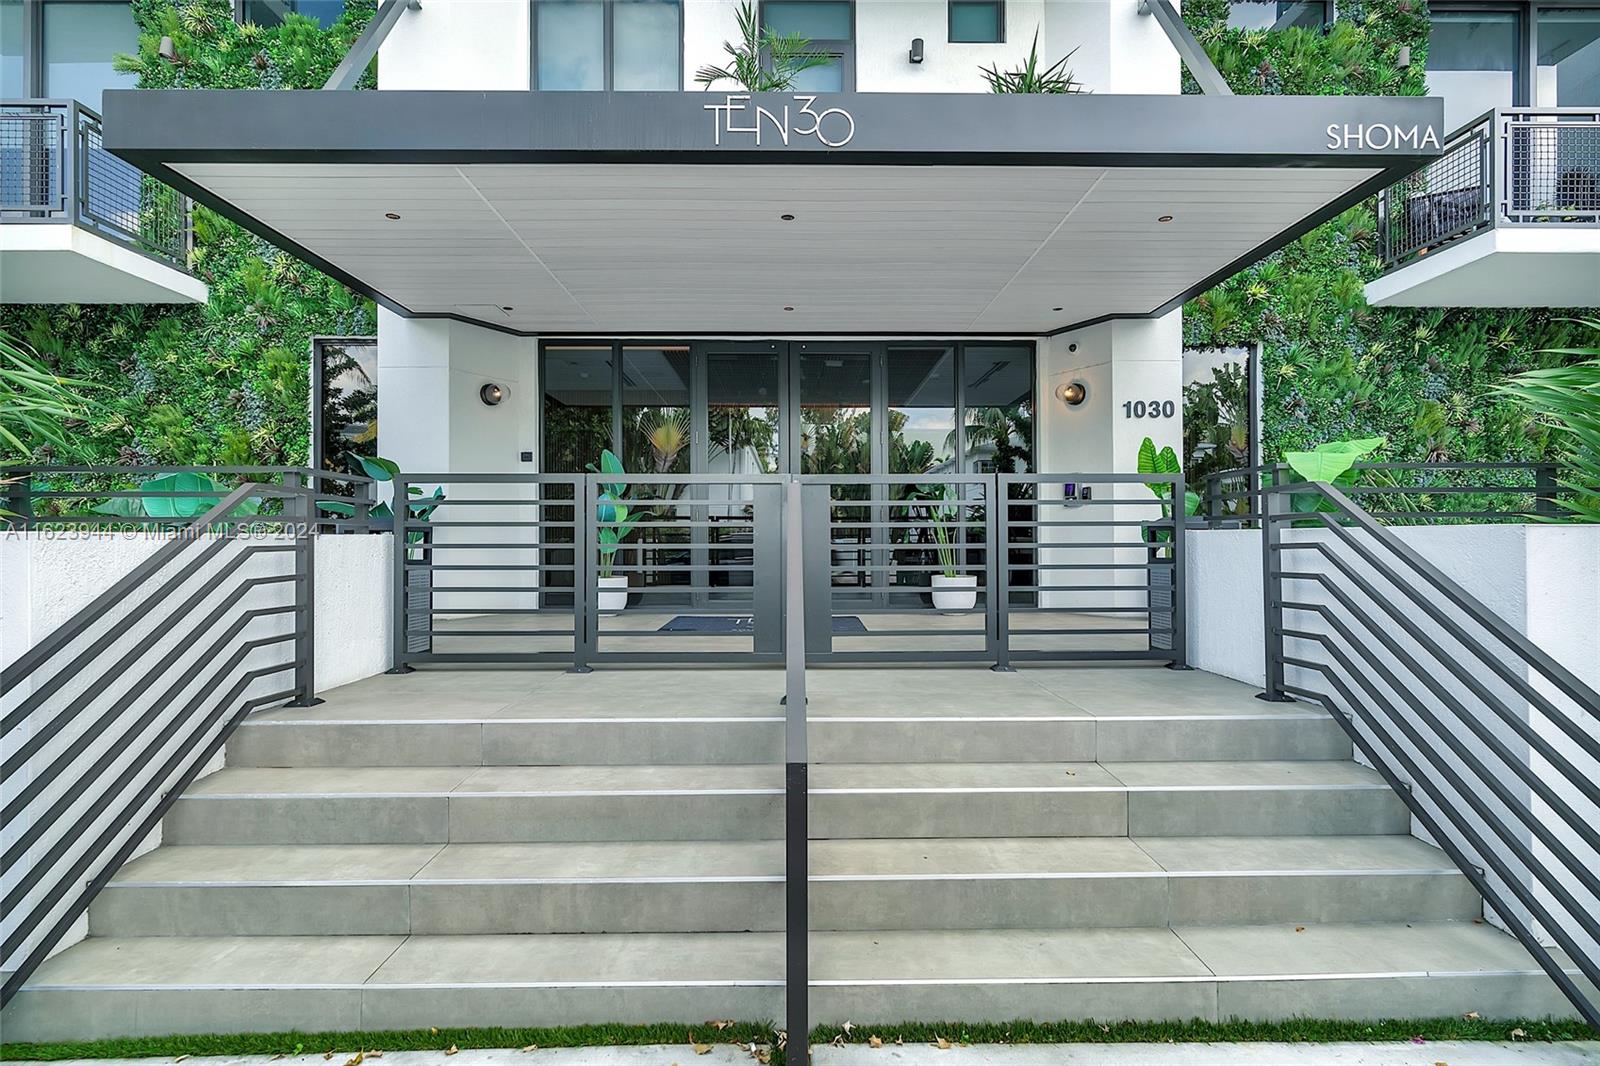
(1334, 368)
(226, 383)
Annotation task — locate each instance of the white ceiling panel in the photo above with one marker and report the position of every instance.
(613, 248)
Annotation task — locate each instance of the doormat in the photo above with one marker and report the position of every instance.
(733, 625)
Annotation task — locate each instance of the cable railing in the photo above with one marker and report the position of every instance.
(54, 168)
(1510, 167)
(1492, 743)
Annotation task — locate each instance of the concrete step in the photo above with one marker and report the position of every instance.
(1251, 972)
(108, 986)
(149, 986)
(1256, 798)
(732, 886)
(533, 735)
(433, 805)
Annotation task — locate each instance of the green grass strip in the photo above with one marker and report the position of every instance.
(343, 1046)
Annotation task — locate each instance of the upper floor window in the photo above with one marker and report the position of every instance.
(13, 85)
(1474, 60)
(599, 45)
(830, 27)
(1267, 15)
(1569, 57)
(79, 41)
(273, 12)
(977, 21)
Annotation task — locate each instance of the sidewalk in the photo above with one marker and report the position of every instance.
(1465, 1053)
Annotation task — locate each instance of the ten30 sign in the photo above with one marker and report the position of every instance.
(736, 116)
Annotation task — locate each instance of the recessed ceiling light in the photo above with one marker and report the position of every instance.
(508, 308)
(1164, 218)
(787, 218)
(788, 309)
(391, 216)
(1058, 309)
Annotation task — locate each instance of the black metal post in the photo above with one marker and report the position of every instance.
(1272, 506)
(398, 625)
(1545, 488)
(796, 826)
(585, 573)
(300, 512)
(19, 499)
(1179, 600)
(1000, 525)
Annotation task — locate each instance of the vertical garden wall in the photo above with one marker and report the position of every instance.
(227, 382)
(1334, 368)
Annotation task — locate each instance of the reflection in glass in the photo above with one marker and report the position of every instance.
(577, 407)
(975, 21)
(835, 413)
(1569, 60)
(644, 48)
(743, 413)
(349, 404)
(1472, 62)
(816, 20)
(999, 402)
(922, 409)
(571, 39)
(12, 86)
(79, 43)
(655, 410)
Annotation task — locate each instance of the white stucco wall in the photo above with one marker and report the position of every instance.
(45, 580)
(1544, 581)
(485, 45)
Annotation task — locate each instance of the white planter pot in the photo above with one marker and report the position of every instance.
(613, 593)
(959, 593)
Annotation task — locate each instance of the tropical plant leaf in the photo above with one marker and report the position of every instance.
(377, 468)
(1331, 461)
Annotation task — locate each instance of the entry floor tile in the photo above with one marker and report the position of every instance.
(1153, 690)
(961, 691)
(681, 693)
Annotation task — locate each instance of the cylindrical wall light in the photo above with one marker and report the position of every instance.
(491, 395)
(1072, 393)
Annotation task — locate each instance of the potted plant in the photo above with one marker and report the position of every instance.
(764, 61)
(952, 590)
(616, 522)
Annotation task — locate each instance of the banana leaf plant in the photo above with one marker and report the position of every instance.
(943, 509)
(381, 515)
(1165, 461)
(1332, 463)
(158, 503)
(612, 514)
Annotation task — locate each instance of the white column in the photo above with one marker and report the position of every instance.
(1119, 363)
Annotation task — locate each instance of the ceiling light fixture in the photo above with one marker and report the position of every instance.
(391, 216)
(1058, 309)
(1164, 218)
(788, 309)
(786, 218)
(508, 308)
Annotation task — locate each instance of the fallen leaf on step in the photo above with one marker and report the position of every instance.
(1104, 1028)
(433, 1030)
(1471, 1016)
(1419, 1040)
(874, 1041)
(942, 1044)
(1519, 1034)
(848, 1027)
(355, 1060)
(1299, 928)
(374, 1054)
(702, 1049)
(1072, 773)
(180, 1058)
(451, 1050)
(1441, 1064)
(327, 1054)
(531, 1047)
(900, 1041)
(728, 1024)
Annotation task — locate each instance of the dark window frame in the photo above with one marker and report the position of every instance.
(950, 20)
(238, 11)
(607, 38)
(1526, 46)
(789, 351)
(1329, 13)
(844, 50)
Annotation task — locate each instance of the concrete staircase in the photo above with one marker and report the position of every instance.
(495, 848)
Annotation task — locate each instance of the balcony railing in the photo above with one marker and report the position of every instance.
(1511, 167)
(54, 168)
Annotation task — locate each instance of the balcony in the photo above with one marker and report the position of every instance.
(1508, 216)
(81, 225)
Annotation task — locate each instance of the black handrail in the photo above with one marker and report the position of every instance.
(1376, 662)
(73, 666)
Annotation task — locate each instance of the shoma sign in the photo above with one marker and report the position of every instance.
(1379, 136)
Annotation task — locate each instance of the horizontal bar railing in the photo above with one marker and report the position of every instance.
(114, 712)
(150, 496)
(1404, 493)
(54, 167)
(1492, 743)
(1522, 166)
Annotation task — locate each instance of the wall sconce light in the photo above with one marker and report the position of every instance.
(167, 50)
(491, 395)
(916, 49)
(1072, 393)
(1402, 58)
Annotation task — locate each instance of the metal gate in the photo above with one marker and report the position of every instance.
(586, 569)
